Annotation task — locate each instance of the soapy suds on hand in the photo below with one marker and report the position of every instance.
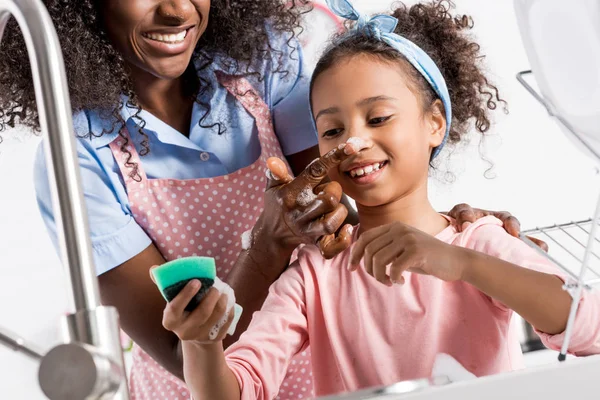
(247, 240)
(270, 175)
(305, 197)
(224, 288)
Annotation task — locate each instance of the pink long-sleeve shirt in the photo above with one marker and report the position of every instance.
(364, 334)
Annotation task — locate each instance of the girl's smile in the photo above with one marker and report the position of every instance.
(366, 171)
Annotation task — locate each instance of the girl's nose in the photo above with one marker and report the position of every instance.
(360, 140)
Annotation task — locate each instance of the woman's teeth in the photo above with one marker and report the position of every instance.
(369, 169)
(169, 38)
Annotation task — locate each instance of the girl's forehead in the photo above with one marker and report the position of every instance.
(363, 70)
(361, 76)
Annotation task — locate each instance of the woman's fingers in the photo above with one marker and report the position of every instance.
(332, 245)
(333, 188)
(464, 215)
(316, 171)
(327, 225)
(277, 173)
(325, 202)
(510, 223)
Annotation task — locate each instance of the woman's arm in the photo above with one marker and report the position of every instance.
(140, 305)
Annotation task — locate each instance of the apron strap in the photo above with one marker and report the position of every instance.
(128, 160)
(244, 92)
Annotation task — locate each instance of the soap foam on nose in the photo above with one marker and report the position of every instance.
(357, 143)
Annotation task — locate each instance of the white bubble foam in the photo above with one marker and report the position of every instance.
(247, 240)
(357, 143)
(305, 197)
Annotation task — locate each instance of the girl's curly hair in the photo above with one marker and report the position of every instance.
(444, 37)
(238, 30)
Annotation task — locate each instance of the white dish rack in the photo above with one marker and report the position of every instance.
(572, 250)
(568, 243)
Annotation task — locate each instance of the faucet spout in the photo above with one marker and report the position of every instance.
(93, 326)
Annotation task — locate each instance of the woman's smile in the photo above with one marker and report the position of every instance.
(170, 41)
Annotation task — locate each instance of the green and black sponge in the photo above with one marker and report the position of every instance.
(171, 277)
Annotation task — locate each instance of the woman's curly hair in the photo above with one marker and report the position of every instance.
(238, 30)
(445, 38)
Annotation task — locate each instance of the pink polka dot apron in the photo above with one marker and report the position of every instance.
(204, 217)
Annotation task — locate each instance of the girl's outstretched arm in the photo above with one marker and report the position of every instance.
(536, 296)
(531, 285)
(508, 271)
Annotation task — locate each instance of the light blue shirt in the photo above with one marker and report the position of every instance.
(115, 235)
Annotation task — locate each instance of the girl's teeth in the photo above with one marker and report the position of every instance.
(366, 170)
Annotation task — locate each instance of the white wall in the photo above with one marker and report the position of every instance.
(541, 178)
(33, 289)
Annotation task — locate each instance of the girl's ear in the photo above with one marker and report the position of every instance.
(436, 120)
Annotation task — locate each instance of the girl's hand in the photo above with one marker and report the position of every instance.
(304, 210)
(464, 215)
(404, 248)
(197, 325)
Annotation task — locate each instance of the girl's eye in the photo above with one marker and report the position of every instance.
(332, 132)
(377, 121)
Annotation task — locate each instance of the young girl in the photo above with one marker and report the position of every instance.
(411, 286)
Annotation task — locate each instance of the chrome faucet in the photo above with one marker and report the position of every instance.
(90, 363)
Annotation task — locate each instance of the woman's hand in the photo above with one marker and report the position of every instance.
(405, 248)
(464, 215)
(203, 325)
(305, 210)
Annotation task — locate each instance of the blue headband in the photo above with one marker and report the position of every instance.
(381, 27)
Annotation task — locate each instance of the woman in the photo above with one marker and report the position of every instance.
(177, 106)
